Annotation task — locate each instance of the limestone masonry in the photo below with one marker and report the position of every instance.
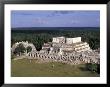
(61, 49)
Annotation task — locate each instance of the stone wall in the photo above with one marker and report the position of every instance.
(25, 44)
(73, 40)
(69, 58)
(58, 40)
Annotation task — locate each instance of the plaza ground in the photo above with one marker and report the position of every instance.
(25, 68)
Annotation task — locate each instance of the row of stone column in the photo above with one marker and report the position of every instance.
(72, 58)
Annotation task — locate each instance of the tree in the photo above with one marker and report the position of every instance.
(29, 49)
(94, 43)
(93, 67)
(19, 49)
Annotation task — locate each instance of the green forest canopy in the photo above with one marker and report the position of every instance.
(39, 37)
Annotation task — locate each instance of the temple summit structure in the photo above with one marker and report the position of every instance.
(61, 45)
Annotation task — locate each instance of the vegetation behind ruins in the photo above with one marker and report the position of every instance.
(39, 36)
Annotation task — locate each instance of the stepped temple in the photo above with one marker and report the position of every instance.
(61, 49)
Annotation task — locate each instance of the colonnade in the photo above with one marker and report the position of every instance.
(71, 58)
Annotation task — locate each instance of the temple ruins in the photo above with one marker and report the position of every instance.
(65, 50)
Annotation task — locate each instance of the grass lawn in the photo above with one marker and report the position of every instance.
(23, 68)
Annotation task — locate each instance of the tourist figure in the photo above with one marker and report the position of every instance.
(53, 65)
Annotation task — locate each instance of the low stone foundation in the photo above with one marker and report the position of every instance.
(69, 58)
